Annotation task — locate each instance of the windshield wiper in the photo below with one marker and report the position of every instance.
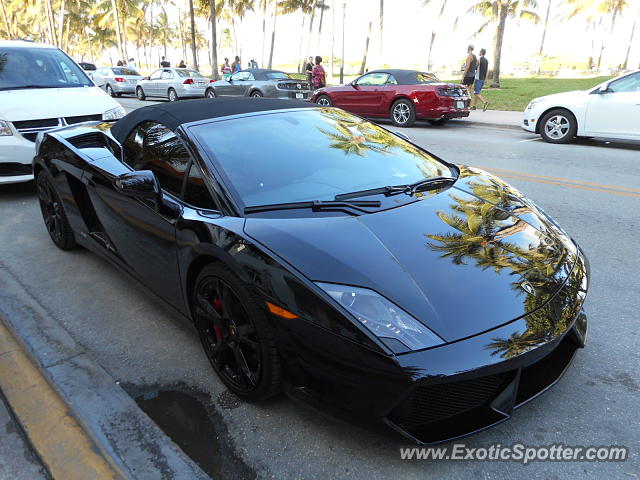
(409, 188)
(316, 205)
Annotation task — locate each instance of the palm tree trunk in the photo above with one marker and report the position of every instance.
(381, 28)
(544, 35)
(498, 46)
(318, 44)
(633, 31)
(214, 40)
(333, 34)
(66, 36)
(5, 15)
(433, 35)
(304, 19)
(116, 19)
(193, 35)
(366, 51)
(273, 35)
(52, 29)
(313, 16)
(264, 29)
(61, 23)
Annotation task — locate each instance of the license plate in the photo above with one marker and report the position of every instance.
(299, 95)
(459, 104)
(132, 81)
(200, 84)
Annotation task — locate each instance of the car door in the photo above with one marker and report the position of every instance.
(246, 83)
(140, 233)
(151, 86)
(227, 87)
(165, 82)
(366, 95)
(615, 111)
(98, 77)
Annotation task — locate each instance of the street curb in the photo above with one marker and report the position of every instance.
(74, 455)
(93, 412)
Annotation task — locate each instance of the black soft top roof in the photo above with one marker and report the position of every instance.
(174, 114)
(261, 73)
(403, 77)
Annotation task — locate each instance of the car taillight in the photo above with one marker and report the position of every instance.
(282, 85)
(120, 79)
(211, 81)
(188, 81)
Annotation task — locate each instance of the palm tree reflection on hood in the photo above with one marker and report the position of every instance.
(490, 235)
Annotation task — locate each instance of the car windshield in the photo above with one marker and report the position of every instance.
(124, 71)
(311, 154)
(22, 67)
(425, 78)
(276, 75)
(189, 74)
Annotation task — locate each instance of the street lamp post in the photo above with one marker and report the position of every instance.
(344, 6)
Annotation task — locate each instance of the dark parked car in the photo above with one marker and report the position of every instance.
(327, 258)
(260, 82)
(404, 96)
(87, 67)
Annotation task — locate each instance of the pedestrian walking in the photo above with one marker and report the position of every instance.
(319, 78)
(182, 64)
(226, 69)
(164, 63)
(236, 66)
(481, 77)
(119, 64)
(470, 66)
(132, 63)
(309, 70)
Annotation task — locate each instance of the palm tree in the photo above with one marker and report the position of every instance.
(381, 27)
(496, 12)
(544, 35)
(443, 5)
(633, 31)
(366, 50)
(5, 16)
(192, 17)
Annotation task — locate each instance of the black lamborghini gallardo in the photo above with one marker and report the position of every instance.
(321, 255)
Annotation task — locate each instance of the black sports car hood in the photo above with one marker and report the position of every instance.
(463, 261)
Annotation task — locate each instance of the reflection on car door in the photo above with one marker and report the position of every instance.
(137, 232)
(616, 112)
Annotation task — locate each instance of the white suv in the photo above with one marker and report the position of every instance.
(41, 88)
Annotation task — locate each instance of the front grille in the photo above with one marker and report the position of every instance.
(82, 118)
(427, 404)
(41, 123)
(12, 169)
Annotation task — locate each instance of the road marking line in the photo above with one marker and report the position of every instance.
(65, 447)
(577, 183)
(530, 140)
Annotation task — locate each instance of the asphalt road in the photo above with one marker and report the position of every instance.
(591, 188)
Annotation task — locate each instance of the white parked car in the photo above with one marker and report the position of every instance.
(42, 88)
(611, 110)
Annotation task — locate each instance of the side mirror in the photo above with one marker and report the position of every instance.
(354, 85)
(141, 184)
(145, 78)
(602, 90)
(403, 136)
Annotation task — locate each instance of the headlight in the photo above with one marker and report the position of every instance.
(113, 114)
(5, 129)
(533, 103)
(393, 326)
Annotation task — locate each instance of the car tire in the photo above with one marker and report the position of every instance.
(402, 113)
(242, 349)
(438, 122)
(210, 93)
(53, 214)
(109, 90)
(324, 101)
(558, 126)
(172, 95)
(140, 94)
(256, 94)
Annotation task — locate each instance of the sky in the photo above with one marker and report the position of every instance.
(407, 30)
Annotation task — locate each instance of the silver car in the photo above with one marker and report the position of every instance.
(116, 80)
(172, 83)
(260, 82)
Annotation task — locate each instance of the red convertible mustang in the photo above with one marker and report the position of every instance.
(401, 95)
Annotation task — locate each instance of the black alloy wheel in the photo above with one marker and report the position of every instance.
(53, 214)
(402, 113)
(110, 91)
(235, 334)
(210, 93)
(324, 101)
(172, 95)
(256, 94)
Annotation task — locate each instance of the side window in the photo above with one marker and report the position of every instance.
(630, 83)
(392, 80)
(195, 192)
(152, 146)
(166, 75)
(250, 77)
(373, 79)
(156, 75)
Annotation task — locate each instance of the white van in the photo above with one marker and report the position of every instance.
(42, 88)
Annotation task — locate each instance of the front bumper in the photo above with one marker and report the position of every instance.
(469, 385)
(530, 120)
(16, 155)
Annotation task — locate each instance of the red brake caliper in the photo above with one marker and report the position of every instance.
(217, 304)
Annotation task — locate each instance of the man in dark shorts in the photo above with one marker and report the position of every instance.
(470, 70)
(483, 70)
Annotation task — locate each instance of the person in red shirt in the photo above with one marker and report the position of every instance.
(318, 76)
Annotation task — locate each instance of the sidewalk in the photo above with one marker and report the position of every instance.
(492, 118)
